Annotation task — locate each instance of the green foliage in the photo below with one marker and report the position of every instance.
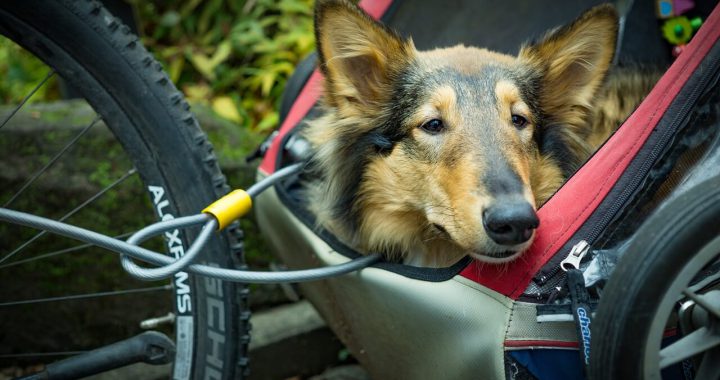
(234, 55)
(21, 72)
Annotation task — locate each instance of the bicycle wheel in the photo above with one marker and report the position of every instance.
(667, 280)
(101, 59)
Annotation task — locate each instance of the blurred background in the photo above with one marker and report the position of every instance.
(233, 56)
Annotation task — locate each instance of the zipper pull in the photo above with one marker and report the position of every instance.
(579, 298)
(578, 251)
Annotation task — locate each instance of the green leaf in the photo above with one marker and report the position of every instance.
(203, 64)
(269, 122)
(170, 19)
(222, 53)
(294, 6)
(211, 8)
(176, 67)
(189, 7)
(226, 108)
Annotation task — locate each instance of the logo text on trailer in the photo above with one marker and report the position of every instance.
(585, 330)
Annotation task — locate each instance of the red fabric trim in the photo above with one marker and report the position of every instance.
(540, 343)
(375, 8)
(310, 94)
(570, 207)
(302, 105)
(670, 332)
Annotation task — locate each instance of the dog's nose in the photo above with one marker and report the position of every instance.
(510, 223)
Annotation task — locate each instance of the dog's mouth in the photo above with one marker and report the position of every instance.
(492, 252)
(496, 258)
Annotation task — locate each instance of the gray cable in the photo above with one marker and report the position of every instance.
(270, 180)
(82, 234)
(286, 276)
(167, 265)
(167, 225)
(151, 274)
(143, 254)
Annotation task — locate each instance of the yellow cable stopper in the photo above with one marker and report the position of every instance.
(230, 207)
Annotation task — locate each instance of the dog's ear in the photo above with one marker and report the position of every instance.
(359, 57)
(572, 62)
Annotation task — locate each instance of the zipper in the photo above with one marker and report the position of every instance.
(577, 253)
(666, 137)
(706, 77)
(571, 261)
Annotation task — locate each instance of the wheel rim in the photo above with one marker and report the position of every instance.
(703, 343)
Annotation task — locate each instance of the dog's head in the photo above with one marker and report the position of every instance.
(451, 146)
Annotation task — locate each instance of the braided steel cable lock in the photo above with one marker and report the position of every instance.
(215, 217)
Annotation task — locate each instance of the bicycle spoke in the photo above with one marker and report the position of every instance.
(51, 162)
(22, 103)
(71, 213)
(703, 301)
(59, 252)
(87, 295)
(705, 282)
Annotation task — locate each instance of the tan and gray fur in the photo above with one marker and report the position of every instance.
(417, 149)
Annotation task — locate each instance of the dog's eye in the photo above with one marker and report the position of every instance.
(519, 121)
(433, 126)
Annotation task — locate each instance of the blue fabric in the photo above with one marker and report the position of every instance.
(554, 364)
(550, 364)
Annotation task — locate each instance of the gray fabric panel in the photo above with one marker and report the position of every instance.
(398, 328)
(523, 326)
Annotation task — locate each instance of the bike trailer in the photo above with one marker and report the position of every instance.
(520, 320)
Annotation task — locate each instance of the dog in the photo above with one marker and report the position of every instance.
(430, 156)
